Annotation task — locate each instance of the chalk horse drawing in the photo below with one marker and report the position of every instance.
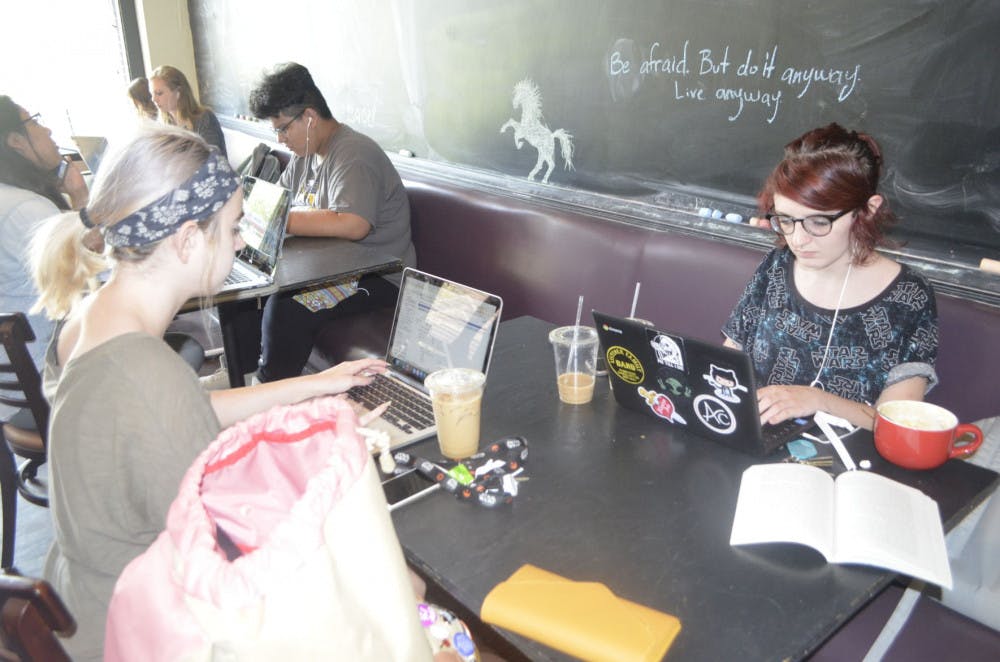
(532, 128)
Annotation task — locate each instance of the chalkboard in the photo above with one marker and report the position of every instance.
(654, 96)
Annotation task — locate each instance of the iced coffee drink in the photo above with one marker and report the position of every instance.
(457, 395)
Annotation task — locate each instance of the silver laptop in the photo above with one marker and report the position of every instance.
(92, 150)
(265, 216)
(437, 324)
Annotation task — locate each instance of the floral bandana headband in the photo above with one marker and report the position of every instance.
(203, 194)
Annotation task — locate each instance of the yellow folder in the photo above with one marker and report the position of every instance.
(583, 619)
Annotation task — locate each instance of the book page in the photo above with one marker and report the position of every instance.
(884, 523)
(785, 503)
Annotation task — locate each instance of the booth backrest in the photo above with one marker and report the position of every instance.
(540, 258)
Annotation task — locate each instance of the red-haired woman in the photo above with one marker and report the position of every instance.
(831, 324)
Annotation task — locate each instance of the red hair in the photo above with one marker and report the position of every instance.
(833, 169)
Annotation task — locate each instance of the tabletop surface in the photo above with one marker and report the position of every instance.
(309, 261)
(646, 509)
(305, 261)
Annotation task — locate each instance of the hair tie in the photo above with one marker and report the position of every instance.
(85, 218)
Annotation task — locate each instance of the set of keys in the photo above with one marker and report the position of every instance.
(819, 461)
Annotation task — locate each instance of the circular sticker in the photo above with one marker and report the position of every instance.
(714, 414)
(625, 364)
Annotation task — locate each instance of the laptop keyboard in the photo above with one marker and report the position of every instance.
(237, 276)
(777, 434)
(408, 411)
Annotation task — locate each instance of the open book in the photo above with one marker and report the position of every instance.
(859, 517)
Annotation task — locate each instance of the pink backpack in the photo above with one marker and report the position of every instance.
(321, 574)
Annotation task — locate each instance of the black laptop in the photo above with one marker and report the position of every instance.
(708, 389)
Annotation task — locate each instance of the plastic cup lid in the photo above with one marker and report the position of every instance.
(454, 380)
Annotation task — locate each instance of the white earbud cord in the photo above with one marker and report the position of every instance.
(833, 326)
(306, 169)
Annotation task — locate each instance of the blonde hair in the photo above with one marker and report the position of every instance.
(66, 256)
(188, 109)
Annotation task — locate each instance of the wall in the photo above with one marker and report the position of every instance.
(165, 33)
(670, 105)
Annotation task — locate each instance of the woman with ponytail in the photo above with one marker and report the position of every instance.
(129, 415)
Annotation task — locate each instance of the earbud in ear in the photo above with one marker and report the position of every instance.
(310, 121)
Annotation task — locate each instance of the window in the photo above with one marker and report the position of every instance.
(66, 60)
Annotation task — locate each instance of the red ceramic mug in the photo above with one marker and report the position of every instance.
(919, 435)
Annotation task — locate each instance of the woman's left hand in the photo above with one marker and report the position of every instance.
(780, 403)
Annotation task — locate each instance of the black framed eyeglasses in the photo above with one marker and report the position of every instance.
(818, 225)
(33, 118)
(283, 129)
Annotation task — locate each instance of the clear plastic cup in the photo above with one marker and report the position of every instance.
(457, 396)
(575, 351)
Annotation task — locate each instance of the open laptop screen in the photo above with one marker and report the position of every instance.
(441, 324)
(264, 207)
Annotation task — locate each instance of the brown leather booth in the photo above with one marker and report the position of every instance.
(540, 257)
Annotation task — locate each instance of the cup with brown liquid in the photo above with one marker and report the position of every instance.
(575, 350)
(457, 396)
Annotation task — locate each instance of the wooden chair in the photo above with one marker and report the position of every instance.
(31, 615)
(26, 432)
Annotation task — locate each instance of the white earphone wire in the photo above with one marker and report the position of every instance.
(833, 326)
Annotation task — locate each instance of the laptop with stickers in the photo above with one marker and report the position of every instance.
(265, 216)
(708, 389)
(438, 324)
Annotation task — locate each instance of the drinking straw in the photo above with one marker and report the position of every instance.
(635, 298)
(576, 334)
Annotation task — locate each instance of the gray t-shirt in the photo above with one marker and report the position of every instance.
(128, 419)
(356, 176)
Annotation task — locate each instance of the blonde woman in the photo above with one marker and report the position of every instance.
(178, 106)
(128, 414)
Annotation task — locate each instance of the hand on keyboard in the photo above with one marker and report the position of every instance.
(346, 375)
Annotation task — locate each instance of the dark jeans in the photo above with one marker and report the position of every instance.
(289, 329)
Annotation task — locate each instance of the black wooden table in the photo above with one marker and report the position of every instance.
(645, 508)
(305, 261)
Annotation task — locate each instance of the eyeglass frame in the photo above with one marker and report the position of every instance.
(31, 118)
(773, 217)
(283, 130)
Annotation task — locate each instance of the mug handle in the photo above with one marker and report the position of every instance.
(969, 447)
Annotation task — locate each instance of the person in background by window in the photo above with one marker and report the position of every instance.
(142, 99)
(829, 323)
(172, 94)
(35, 182)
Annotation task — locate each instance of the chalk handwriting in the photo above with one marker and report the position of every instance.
(746, 82)
(844, 78)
